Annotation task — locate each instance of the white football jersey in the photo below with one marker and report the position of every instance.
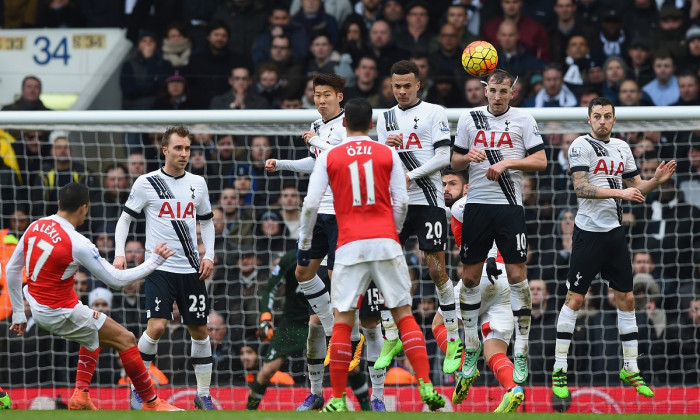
(333, 133)
(172, 206)
(511, 135)
(424, 128)
(607, 163)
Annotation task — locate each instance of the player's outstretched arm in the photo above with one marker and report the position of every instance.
(88, 256)
(662, 174)
(584, 189)
(440, 160)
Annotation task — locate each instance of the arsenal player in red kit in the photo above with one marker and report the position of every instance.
(51, 250)
(370, 201)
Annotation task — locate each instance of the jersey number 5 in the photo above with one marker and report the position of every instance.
(355, 181)
(46, 249)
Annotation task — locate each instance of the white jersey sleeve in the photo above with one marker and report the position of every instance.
(138, 198)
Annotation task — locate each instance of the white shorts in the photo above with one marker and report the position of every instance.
(80, 324)
(495, 315)
(351, 281)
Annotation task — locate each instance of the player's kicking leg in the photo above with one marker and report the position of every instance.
(315, 353)
(87, 362)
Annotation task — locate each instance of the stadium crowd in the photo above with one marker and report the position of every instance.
(255, 54)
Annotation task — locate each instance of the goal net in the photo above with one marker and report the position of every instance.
(256, 217)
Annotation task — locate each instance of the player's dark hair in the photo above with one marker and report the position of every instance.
(179, 130)
(602, 101)
(330, 79)
(72, 196)
(501, 77)
(405, 67)
(358, 114)
(463, 175)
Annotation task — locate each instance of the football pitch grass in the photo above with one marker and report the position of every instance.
(293, 415)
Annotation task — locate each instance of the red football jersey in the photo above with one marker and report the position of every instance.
(359, 173)
(48, 251)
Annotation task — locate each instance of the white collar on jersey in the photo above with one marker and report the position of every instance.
(162, 170)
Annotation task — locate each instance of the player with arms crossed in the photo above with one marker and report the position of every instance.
(600, 166)
(496, 143)
(173, 200)
(51, 250)
(420, 133)
(325, 133)
(370, 192)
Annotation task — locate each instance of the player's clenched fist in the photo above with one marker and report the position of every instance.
(271, 165)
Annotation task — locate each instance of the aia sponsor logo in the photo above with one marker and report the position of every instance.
(609, 168)
(166, 209)
(493, 139)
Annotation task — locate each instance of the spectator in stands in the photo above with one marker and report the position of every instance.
(555, 254)
(266, 185)
(59, 170)
(81, 285)
(290, 68)
(280, 25)
(639, 61)
(394, 14)
(456, 14)
(689, 183)
(578, 63)
(115, 191)
(290, 208)
(324, 58)
(353, 41)
(175, 94)
(307, 99)
(238, 219)
(444, 91)
(615, 70)
(225, 363)
(613, 40)
(554, 92)
(641, 18)
(532, 33)
(136, 164)
(204, 138)
(177, 46)
(587, 95)
(417, 36)
(382, 46)
(448, 51)
(244, 19)
(368, 11)
(209, 70)
(367, 85)
(631, 95)
(689, 343)
(670, 35)
(564, 27)
(59, 14)
(313, 18)
(200, 165)
(543, 333)
(474, 93)
(692, 40)
(103, 237)
(243, 183)
(19, 221)
(220, 244)
(663, 90)
(424, 74)
(386, 94)
(688, 88)
(268, 84)
(272, 237)
(143, 74)
(240, 96)
(513, 56)
(29, 99)
(20, 166)
(291, 100)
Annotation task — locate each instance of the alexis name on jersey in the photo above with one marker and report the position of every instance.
(48, 229)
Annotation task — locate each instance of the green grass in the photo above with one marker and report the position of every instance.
(292, 415)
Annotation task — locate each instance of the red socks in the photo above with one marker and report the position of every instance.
(502, 367)
(341, 355)
(414, 346)
(440, 334)
(135, 369)
(87, 362)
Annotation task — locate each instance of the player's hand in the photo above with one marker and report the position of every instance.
(492, 270)
(495, 170)
(266, 329)
(664, 171)
(303, 258)
(307, 136)
(162, 250)
(119, 263)
(476, 155)
(206, 268)
(394, 140)
(271, 165)
(632, 194)
(19, 329)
